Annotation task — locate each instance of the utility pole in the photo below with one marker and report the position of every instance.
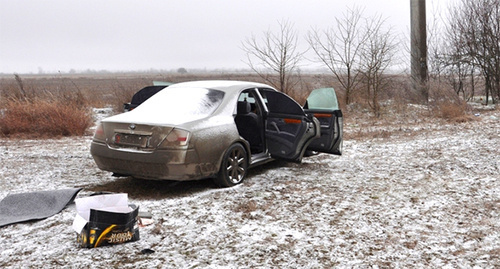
(419, 71)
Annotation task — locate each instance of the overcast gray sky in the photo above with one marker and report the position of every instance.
(122, 35)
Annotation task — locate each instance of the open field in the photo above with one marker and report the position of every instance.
(114, 89)
(409, 192)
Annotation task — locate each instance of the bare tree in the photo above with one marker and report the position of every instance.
(435, 46)
(445, 59)
(277, 52)
(474, 34)
(339, 49)
(376, 55)
(458, 66)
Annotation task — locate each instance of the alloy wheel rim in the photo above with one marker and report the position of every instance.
(236, 166)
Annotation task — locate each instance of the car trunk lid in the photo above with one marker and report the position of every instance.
(142, 137)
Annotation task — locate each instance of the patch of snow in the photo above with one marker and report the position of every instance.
(426, 200)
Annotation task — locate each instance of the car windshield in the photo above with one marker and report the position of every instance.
(182, 104)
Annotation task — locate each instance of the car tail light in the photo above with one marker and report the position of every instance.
(99, 133)
(177, 138)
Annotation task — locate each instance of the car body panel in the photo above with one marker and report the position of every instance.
(174, 164)
(183, 131)
(210, 134)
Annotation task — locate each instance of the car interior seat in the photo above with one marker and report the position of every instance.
(249, 126)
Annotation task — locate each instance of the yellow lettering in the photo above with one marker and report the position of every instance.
(120, 237)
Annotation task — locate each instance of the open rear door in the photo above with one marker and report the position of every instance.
(288, 129)
(323, 104)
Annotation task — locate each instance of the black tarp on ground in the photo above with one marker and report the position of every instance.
(38, 205)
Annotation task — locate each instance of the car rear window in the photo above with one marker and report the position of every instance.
(183, 103)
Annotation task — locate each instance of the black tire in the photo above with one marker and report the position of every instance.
(234, 166)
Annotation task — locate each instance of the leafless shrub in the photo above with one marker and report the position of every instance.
(40, 119)
(447, 105)
(453, 112)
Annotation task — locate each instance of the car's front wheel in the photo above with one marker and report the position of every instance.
(234, 166)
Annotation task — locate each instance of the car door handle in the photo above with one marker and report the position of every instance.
(275, 127)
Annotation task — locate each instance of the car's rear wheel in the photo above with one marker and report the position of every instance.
(234, 166)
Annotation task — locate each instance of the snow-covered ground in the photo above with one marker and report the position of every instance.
(422, 195)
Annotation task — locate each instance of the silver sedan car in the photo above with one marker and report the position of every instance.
(216, 129)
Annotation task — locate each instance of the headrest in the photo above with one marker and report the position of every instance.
(243, 107)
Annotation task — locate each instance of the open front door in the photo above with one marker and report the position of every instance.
(323, 105)
(288, 129)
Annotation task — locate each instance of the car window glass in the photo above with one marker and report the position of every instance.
(249, 96)
(324, 98)
(246, 96)
(278, 102)
(145, 93)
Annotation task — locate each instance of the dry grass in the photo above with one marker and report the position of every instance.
(76, 94)
(41, 119)
(34, 110)
(453, 112)
(447, 105)
(115, 89)
(246, 207)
